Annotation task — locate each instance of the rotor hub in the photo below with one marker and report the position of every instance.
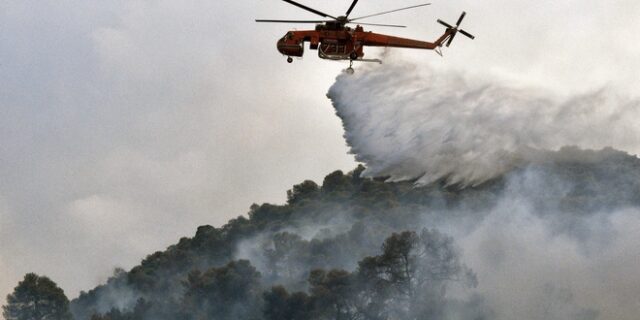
(342, 20)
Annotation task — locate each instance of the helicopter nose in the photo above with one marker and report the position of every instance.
(280, 45)
(290, 48)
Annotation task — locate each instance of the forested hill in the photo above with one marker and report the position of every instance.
(358, 248)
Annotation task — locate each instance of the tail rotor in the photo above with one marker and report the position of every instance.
(454, 30)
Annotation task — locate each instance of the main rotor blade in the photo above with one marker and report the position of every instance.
(445, 24)
(291, 21)
(467, 34)
(396, 10)
(460, 19)
(320, 13)
(353, 4)
(379, 25)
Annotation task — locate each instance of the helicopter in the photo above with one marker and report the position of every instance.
(334, 40)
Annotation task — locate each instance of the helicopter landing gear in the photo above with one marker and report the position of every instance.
(350, 69)
(289, 59)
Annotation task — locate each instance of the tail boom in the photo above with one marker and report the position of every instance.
(381, 40)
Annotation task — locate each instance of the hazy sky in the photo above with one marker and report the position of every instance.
(126, 124)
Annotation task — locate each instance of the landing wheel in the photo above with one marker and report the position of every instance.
(353, 55)
(289, 59)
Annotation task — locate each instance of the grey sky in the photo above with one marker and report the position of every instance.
(126, 124)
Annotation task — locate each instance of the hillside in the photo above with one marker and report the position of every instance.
(361, 248)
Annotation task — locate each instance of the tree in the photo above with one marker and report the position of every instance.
(228, 292)
(280, 305)
(138, 312)
(333, 294)
(36, 298)
(306, 190)
(286, 259)
(411, 275)
(337, 184)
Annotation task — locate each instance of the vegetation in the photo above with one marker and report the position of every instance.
(407, 280)
(36, 298)
(350, 248)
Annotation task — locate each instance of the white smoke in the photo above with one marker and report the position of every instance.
(529, 270)
(407, 122)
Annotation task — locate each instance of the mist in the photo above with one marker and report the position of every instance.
(543, 261)
(507, 215)
(407, 122)
(529, 198)
(127, 124)
(537, 254)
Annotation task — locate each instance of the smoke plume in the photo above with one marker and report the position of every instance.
(553, 235)
(406, 123)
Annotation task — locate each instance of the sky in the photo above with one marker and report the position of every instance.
(124, 125)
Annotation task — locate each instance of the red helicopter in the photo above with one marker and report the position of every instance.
(335, 41)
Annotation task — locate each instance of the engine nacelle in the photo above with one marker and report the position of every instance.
(290, 47)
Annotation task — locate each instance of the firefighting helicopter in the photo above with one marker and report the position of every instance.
(334, 40)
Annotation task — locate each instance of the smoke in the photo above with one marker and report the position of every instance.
(530, 268)
(551, 240)
(406, 122)
(554, 236)
(547, 246)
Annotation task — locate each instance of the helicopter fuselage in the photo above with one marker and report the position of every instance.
(336, 42)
